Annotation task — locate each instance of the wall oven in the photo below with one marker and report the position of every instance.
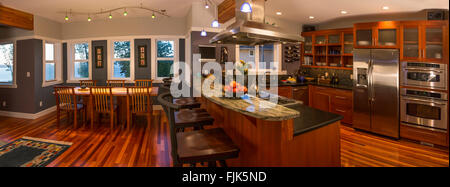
(424, 108)
(426, 75)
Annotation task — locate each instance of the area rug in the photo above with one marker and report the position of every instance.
(31, 152)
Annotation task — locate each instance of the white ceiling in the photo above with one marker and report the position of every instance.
(294, 10)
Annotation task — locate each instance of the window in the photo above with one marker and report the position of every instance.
(122, 56)
(268, 53)
(50, 70)
(7, 64)
(79, 66)
(165, 56)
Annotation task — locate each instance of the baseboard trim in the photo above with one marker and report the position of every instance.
(28, 115)
(43, 113)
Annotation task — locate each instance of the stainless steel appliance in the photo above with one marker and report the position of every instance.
(376, 91)
(427, 75)
(424, 108)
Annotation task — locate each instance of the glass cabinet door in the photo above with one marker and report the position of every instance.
(364, 37)
(348, 43)
(387, 37)
(433, 43)
(308, 45)
(334, 39)
(321, 40)
(411, 43)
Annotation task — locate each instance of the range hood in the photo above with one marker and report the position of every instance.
(251, 29)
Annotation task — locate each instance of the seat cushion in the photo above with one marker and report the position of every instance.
(194, 117)
(187, 102)
(204, 145)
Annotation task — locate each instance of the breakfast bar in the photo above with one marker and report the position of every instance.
(270, 134)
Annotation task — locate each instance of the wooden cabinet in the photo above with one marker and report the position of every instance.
(332, 100)
(425, 41)
(328, 49)
(285, 91)
(424, 135)
(384, 34)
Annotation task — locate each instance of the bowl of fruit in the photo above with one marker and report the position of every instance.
(234, 89)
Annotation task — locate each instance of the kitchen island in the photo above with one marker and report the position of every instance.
(277, 134)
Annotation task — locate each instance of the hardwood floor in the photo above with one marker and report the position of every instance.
(150, 146)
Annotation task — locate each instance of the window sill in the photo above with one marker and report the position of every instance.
(51, 83)
(8, 86)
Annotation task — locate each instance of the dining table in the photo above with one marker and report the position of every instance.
(119, 92)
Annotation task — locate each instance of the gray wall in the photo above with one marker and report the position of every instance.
(142, 72)
(100, 74)
(29, 92)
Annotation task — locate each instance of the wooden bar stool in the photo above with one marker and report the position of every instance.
(139, 102)
(102, 102)
(200, 146)
(143, 83)
(66, 100)
(115, 83)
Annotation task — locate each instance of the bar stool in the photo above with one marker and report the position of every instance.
(200, 146)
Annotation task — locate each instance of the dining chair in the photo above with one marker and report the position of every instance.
(66, 100)
(102, 102)
(210, 145)
(139, 102)
(115, 83)
(143, 83)
(88, 83)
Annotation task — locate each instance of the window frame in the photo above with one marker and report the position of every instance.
(111, 59)
(276, 58)
(13, 84)
(57, 60)
(155, 57)
(71, 61)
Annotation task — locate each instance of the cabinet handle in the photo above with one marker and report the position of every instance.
(342, 111)
(340, 97)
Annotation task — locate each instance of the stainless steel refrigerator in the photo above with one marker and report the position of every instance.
(376, 91)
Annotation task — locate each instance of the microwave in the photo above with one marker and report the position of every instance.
(208, 53)
(425, 75)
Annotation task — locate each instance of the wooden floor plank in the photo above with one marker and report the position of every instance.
(149, 146)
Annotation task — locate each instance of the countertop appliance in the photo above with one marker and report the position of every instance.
(376, 91)
(424, 108)
(426, 75)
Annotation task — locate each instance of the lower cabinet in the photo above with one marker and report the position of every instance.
(285, 91)
(332, 100)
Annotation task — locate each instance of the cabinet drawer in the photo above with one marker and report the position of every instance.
(345, 111)
(424, 135)
(342, 100)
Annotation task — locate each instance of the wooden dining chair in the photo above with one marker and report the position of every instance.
(88, 83)
(139, 102)
(102, 102)
(115, 83)
(66, 100)
(143, 83)
(199, 146)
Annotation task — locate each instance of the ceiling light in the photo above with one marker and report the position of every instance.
(66, 18)
(279, 13)
(246, 7)
(311, 17)
(385, 8)
(89, 19)
(203, 33)
(215, 24)
(110, 16)
(343, 12)
(153, 16)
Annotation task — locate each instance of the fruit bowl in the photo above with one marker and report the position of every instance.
(234, 88)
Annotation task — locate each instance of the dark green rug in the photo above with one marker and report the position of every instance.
(31, 152)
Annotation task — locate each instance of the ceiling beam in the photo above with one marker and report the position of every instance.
(226, 11)
(16, 18)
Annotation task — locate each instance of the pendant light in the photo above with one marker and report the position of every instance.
(67, 17)
(203, 33)
(246, 7)
(110, 15)
(125, 13)
(153, 15)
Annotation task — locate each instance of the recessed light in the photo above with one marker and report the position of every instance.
(279, 13)
(343, 12)
(311, 17)
(385, 8)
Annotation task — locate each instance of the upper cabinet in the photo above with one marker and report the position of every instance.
(383, 34)
(424, 41)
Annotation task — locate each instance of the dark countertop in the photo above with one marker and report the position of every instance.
(339, 86)
(311, 119)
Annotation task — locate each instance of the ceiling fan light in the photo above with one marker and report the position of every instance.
(246, 7)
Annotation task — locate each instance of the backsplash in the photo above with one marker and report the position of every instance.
(343, 75)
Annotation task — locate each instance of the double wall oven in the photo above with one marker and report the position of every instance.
(425, 107)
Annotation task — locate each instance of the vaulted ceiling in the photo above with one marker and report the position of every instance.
(294, 10)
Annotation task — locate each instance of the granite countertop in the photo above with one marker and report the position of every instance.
(255, 107)
(339, 86)
(311, 119)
